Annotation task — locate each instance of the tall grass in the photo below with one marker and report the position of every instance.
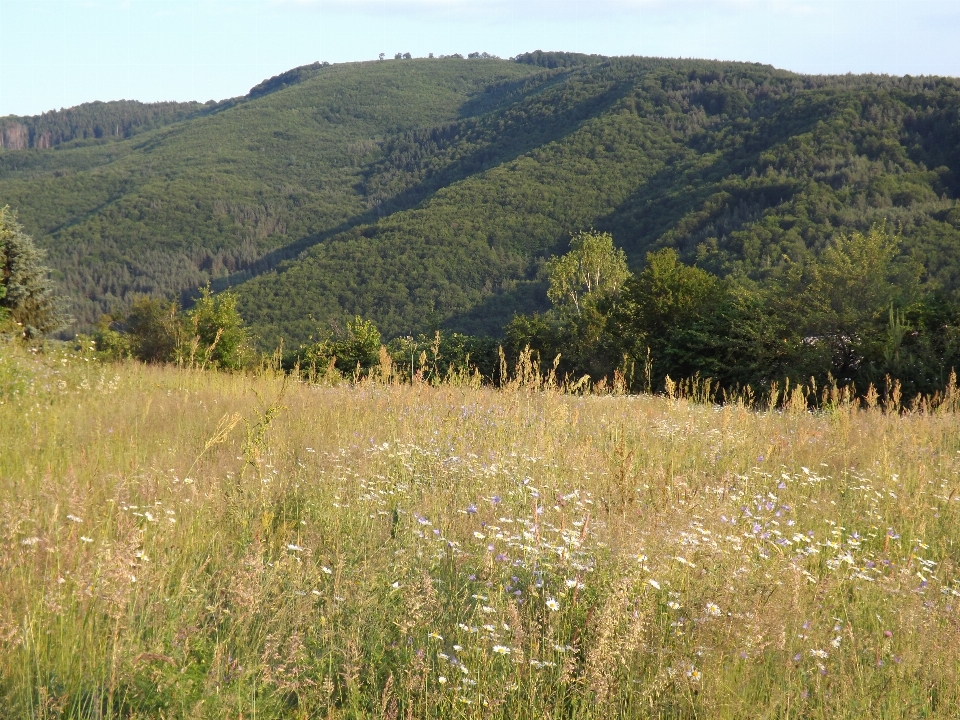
(179, 543)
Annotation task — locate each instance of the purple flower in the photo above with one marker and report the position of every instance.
(471, 509)
(495, 499)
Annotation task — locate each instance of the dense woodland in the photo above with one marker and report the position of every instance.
(93, 121)
(431, 194)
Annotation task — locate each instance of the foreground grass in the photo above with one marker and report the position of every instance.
(187, 544)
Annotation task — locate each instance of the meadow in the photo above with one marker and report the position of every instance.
(184, 543)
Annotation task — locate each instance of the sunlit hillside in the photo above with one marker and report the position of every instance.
(428, 193)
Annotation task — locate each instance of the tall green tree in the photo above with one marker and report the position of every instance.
(354, 349)
(212, 332)
(839, 306)
(584, 285)
(27, 293)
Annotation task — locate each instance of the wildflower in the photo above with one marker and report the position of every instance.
(479, 535)
(654, 584)
(84, 538)
(713, 610)
(471, 509)
(294, 548)
(501, 649)
(822, 654)
(553, 604)
(326, 570)
(435, 636)
(836, 641)
(673, 605)
(442, 680)
(572, 583)
(74, 518)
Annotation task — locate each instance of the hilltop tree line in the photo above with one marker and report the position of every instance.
(92, 121)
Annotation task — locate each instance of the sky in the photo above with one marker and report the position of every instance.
(60, 53)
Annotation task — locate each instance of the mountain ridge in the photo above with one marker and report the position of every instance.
(426, 193)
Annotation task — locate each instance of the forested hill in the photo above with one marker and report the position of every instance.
(429, 192)
(92, 121)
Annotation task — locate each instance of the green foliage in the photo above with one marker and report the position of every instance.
(430, 193)
(593, 270)
(356, 349)
(209, 334)
(26, 293)
(231, 191)
(96, 121)
(152, 329)
(556, 59)
(215, 333)
(445, 355)
(855, 316)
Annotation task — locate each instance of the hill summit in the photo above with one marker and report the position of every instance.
(429, 192)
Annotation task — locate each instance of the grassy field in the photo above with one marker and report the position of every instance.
(178, 543)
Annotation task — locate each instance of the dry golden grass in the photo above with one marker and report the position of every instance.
(178, 543)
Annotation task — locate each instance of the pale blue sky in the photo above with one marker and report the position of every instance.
(59, 53)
